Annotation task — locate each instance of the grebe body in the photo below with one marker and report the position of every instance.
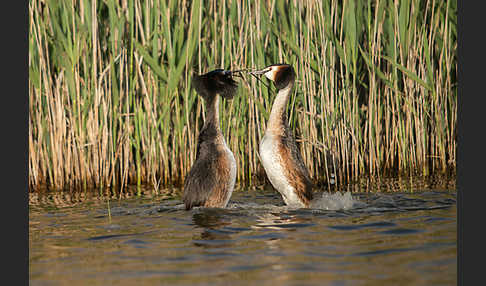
(275, 162)
(211, 180)
(278, 150)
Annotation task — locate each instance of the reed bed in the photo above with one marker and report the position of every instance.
(111, 104)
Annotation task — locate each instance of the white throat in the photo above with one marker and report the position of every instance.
(279, 107)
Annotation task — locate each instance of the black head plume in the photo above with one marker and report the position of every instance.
(218, 81)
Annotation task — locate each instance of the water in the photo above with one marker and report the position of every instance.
(367, 238)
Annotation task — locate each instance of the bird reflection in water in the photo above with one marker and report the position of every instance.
(281, 221)
(212, 221)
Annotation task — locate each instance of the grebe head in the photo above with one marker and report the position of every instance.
(218, 81)
(281, 74)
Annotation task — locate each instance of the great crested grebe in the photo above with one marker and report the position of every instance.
(280, 157)
(211, 180)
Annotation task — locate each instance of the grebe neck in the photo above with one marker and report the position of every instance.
(278, 115)
(212, 113)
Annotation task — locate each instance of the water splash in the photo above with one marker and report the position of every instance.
(328, 201)
(336, 201)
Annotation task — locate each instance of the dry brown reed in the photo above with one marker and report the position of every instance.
(110, 101)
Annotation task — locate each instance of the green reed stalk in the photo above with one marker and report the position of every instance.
(111, 103)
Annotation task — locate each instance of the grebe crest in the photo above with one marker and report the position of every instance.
(211, 180)
(218, 81)
(278, 149)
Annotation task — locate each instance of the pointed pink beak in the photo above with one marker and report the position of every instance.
(259, 72)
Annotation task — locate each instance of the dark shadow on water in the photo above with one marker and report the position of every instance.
(117, 236)
(212, 221)
(210, 218)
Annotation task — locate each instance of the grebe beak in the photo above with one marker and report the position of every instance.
(238, 72)
(260, 72)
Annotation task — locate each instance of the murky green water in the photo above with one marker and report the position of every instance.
(389, 238)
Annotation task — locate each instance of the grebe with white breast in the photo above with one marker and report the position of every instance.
(279, 154)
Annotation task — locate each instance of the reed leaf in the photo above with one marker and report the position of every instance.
(111, 102)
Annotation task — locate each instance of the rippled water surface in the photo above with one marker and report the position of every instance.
(373, 238)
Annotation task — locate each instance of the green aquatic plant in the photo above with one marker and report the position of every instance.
(111, 104)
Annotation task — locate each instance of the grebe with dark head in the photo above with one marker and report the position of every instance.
(279, 154)
(211, 180)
